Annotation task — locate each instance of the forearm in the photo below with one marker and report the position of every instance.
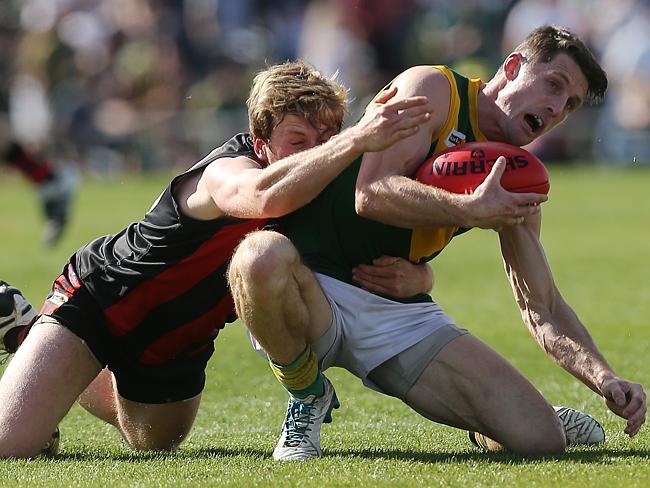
(403, 202)
(551, 321)
(292, 182)
(565, 339)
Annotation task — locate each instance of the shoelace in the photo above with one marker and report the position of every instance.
(297, 422)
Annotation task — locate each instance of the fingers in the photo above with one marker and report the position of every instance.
(635, 398)
(376, 270)
(408, 122)
(520, 199)
(529, 199)
(628, 400)
(404, 133)
(386, 95)
(497, 170)
(408, 109)
(373, 283)
(618, 393)
(406, 103)
(616, 390)
(635, 410)
(385, 261)
(635, 422)
(382, 276)
(517, 220)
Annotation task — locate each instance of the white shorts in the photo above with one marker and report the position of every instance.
(367, 330)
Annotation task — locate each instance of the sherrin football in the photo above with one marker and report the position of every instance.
(460, 169)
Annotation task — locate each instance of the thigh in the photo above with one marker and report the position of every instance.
(374, 329)
(47, 374)
(157, 404)
(470, 386)
(397, 376)
(319, 307)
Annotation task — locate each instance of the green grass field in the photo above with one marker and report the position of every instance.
(597, 236)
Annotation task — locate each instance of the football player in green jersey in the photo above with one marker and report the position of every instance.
(298, 293)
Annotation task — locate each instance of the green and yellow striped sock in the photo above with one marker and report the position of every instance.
(301, 377)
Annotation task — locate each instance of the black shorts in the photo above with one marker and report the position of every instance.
(174, 380)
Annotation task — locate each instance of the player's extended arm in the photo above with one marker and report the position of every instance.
(557, 328)
(242, 189)
(386, 193)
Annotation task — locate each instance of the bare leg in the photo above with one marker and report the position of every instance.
(277, 297)
(284, 307)
(143, 426)
(470, 386)
(99, 398)
(45, 377)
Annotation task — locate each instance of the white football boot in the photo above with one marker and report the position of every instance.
(300, 437)
(580, 428)
(15, 311)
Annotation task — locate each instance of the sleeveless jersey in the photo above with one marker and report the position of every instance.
(332, 238)
(161, 282)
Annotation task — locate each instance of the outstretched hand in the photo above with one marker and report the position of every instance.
(627, 400)
(493, 207)
(394, 277)
(387, 121)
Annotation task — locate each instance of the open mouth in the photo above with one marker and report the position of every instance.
(535, 122)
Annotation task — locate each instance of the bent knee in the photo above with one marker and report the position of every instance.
(23, 447)
(548, 438)
(261, 256)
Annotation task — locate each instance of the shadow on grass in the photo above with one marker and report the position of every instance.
(146, 456)
(587, 456)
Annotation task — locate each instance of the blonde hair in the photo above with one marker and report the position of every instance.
(294, 87)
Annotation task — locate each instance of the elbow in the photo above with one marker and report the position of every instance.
(363, 204)
(546, 338)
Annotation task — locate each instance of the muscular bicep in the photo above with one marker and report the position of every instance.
(404, 157)
(228, 186)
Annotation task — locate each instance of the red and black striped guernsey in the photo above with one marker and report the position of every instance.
(161, 281)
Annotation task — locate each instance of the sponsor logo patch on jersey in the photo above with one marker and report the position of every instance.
(57, 298)
(454, 138)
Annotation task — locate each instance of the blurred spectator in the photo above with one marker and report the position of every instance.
(119, 85)
(623, 130)
(25, 122)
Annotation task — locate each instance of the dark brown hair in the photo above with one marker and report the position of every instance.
(547, 41)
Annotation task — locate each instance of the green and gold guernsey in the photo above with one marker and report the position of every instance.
(332, 238)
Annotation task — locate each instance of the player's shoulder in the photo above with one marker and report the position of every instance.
(234, 163)
(429, 74)
(431, 81)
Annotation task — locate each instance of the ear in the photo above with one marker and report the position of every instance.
(259, 146)
(512, 65)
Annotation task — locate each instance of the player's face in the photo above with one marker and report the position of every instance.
(540, 97)
(294, 134)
